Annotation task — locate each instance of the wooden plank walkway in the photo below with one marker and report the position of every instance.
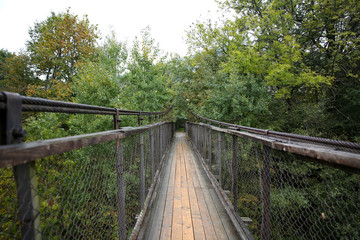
(187, 206)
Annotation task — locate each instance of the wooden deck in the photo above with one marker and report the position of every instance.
(187, 206)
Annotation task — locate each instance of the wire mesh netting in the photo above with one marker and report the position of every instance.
(279, 194)
(76, 194)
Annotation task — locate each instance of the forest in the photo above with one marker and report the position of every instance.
(284, 65)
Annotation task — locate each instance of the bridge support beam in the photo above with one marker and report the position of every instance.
(209, 146)
(120, 196)
(25, 174)
(219, 158)
(160, 143)
(142, 172)
(266, 215)
(235, 172)
(152, 153)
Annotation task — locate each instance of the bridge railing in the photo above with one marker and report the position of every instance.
(92, 186)
(281, 188)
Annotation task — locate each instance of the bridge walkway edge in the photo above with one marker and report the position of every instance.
(186, 205)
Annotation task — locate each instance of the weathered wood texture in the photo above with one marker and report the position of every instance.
(187, 206)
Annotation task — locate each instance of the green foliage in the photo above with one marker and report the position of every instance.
(58, 44)
(147, 87)
(15, 72)
(311, 54)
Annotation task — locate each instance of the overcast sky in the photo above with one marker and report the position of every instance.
(168, 19)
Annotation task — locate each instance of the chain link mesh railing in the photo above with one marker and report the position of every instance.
(94, 192)
(278, 194)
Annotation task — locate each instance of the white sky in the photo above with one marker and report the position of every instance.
(168, 19)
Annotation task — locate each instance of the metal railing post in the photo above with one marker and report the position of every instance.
(235, 172)
(152, 153)
(198, 137)
(139, 119)
(156, 147)
(219, 158)
(203, 145)
(142, 172)
(25, 174)
(265, 232)
(160, 143)
(116, 119)
(120, 196)
(209, 145)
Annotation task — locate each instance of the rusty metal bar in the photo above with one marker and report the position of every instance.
(25, 174)
(324, 154)
(219, 158)
(265, 233)
(209, 146)
(120, 196)
(289, 136)
(152, 153)
(142, 172)
(116, 119)
(44, 105)
(140, 119)
(235, 189)
(156, 148)
(160, 143)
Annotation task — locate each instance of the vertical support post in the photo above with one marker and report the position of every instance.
(156, 147)
(152, 153)
(120, 196)
(25, 174)
(205, 143)
(235, 172)
(142, 172)
(150, 119)
(116, 119)
(203, 130)
(210, 151)
(198, 137)
(160, 143)
(265, 233)
(139, 119)
(219, 158)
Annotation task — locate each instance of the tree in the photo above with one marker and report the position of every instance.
(146, 86)
(58, 44)
(15, 72)
(321, 40)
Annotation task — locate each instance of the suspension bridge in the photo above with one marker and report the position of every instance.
(216, 180)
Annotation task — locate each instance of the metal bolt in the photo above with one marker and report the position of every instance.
(19, 133)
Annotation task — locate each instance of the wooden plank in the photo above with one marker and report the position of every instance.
(228, 225)
(12, 155)
(15, 154)
(185, 202)
(177, 213)
(202, 178)
(166, 226)
(192, 171)
(324, 154)
(186, 215)
(191, 208)
(205, 215)
(198, 228)
(215, 218)
(157, 215)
